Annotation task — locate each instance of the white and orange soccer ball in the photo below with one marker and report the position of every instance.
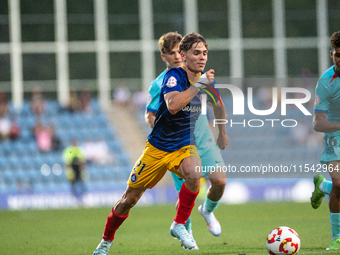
(283, 240)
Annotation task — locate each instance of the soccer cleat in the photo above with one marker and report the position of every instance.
(212, 223)
(317, 195)
(196, 247)
(178, 231)
(103, 248)
(335, 245)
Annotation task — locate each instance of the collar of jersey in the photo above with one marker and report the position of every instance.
(196, 79)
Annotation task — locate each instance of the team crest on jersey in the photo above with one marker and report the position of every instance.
(172, 82)
(317, 100)
(133, 178)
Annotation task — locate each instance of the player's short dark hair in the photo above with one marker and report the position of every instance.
(168, 41)
(335, 40)
(189, 40)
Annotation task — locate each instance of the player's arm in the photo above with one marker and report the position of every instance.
(176, 100)
(323, 96)
(321, 124)
(152, 104)
(219, 113)
(149, 118)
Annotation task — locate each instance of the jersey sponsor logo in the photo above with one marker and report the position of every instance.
(148, 101)
(172, 82)
(317, 100)
(191, 109)
(133, 178)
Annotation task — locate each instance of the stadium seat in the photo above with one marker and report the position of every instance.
(10, 188)
(22, 160)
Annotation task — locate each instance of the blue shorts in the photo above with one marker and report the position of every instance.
(212, 157)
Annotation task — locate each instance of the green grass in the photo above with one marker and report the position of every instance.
(146, 231)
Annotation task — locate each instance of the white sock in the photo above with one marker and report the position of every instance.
(320, 187)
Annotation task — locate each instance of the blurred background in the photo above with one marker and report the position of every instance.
(80, 70)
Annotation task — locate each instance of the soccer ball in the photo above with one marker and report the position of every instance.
(283, 240)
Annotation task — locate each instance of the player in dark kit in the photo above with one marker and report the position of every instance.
(171, 144)
(207, 148)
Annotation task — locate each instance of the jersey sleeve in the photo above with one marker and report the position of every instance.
(322, 96)
(153, 97)
(172, 82)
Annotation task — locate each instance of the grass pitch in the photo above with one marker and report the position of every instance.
(146, 231)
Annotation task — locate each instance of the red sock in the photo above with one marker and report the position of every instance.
(113, 222)
(185, 205)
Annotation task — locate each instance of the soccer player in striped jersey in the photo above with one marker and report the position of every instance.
(208, 151)
(171, 143)
(326, 119)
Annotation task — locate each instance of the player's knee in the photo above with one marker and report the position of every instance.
(193, 184)
(190, 168)
(185, 168)
(196, 181)
(219, 182)
(336, 186)
(129, 202)
(191, 174)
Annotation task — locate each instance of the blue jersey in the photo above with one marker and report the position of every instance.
(203, 134)
(172, 132)
(327, 100)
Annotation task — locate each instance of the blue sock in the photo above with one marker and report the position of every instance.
(327, 186)
(335, 224)
(187, 225)
(209, 205)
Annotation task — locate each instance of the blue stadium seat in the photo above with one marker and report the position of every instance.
(39, 187)
(25, 110)
(10, 188)
(12, 162)
(2, 164)
(63, 186)
(23, 160)
(95, 105)
(26, 135)
(34, 174)
(52, 107)
(6, 147)
(37, 161)
(8, 176)
(18, 148)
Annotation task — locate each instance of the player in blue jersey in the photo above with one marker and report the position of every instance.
(326, 119)
(171, 143)
(207, 149)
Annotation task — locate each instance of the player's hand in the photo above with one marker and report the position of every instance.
(206, 78)
(222, 141)
(202, 81)
(210, 75)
